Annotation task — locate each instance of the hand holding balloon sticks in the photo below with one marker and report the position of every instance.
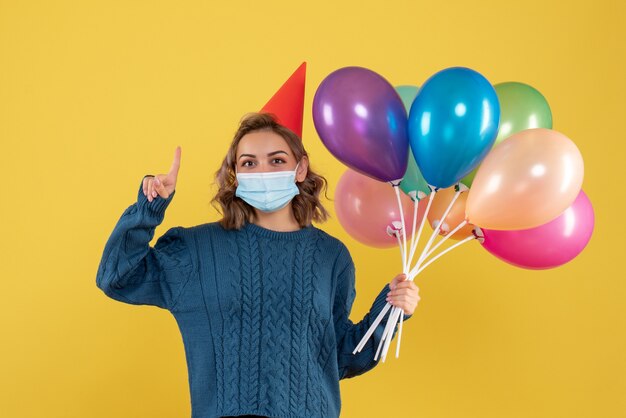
(522, 195)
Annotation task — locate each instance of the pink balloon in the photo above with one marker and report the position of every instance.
(365, 207)
(545, 246)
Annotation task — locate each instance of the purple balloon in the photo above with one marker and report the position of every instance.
(548, 245)
(362, 121)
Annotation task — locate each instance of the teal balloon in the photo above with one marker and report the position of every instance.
(413, 179)
(407, 94)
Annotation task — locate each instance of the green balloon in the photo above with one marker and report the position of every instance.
(413, 179)
(521, 107)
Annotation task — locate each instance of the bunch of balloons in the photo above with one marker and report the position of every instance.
(484, 158)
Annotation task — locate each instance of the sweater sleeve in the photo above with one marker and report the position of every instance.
(131, 271)
(348, 334)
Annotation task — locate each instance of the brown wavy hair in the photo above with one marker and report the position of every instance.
(234, 210)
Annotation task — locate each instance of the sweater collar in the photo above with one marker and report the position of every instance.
(270, 233)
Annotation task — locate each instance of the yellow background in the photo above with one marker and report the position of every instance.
(95, 94)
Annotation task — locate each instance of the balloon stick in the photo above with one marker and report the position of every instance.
(376, 322)
(398, 312)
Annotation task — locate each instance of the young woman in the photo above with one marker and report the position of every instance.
(262, 297)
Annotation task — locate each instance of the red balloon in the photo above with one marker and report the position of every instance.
(366, 207)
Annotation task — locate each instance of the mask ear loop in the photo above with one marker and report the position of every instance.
(296, 173)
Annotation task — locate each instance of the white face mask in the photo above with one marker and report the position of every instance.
(267, 191)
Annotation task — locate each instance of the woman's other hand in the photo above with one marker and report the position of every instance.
(162, 184)
(404, 294)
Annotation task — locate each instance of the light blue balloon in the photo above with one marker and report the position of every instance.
(453, 124)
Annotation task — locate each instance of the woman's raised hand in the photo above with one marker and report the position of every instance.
(162, 184)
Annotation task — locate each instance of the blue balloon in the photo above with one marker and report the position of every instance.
(453, 124)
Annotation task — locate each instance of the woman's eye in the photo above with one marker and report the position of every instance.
(246, 162)
(279, 159)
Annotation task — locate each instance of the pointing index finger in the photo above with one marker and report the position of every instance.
(176, 163)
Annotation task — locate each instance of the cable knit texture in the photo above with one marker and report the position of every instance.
(264, 315)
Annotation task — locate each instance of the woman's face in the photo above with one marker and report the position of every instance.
(266, 151)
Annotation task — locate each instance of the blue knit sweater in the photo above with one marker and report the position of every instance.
(264, 315)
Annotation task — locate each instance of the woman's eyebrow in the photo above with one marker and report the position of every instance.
(276, 152)
(269, 154)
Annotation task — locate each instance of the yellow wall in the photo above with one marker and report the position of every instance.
(95, 94)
